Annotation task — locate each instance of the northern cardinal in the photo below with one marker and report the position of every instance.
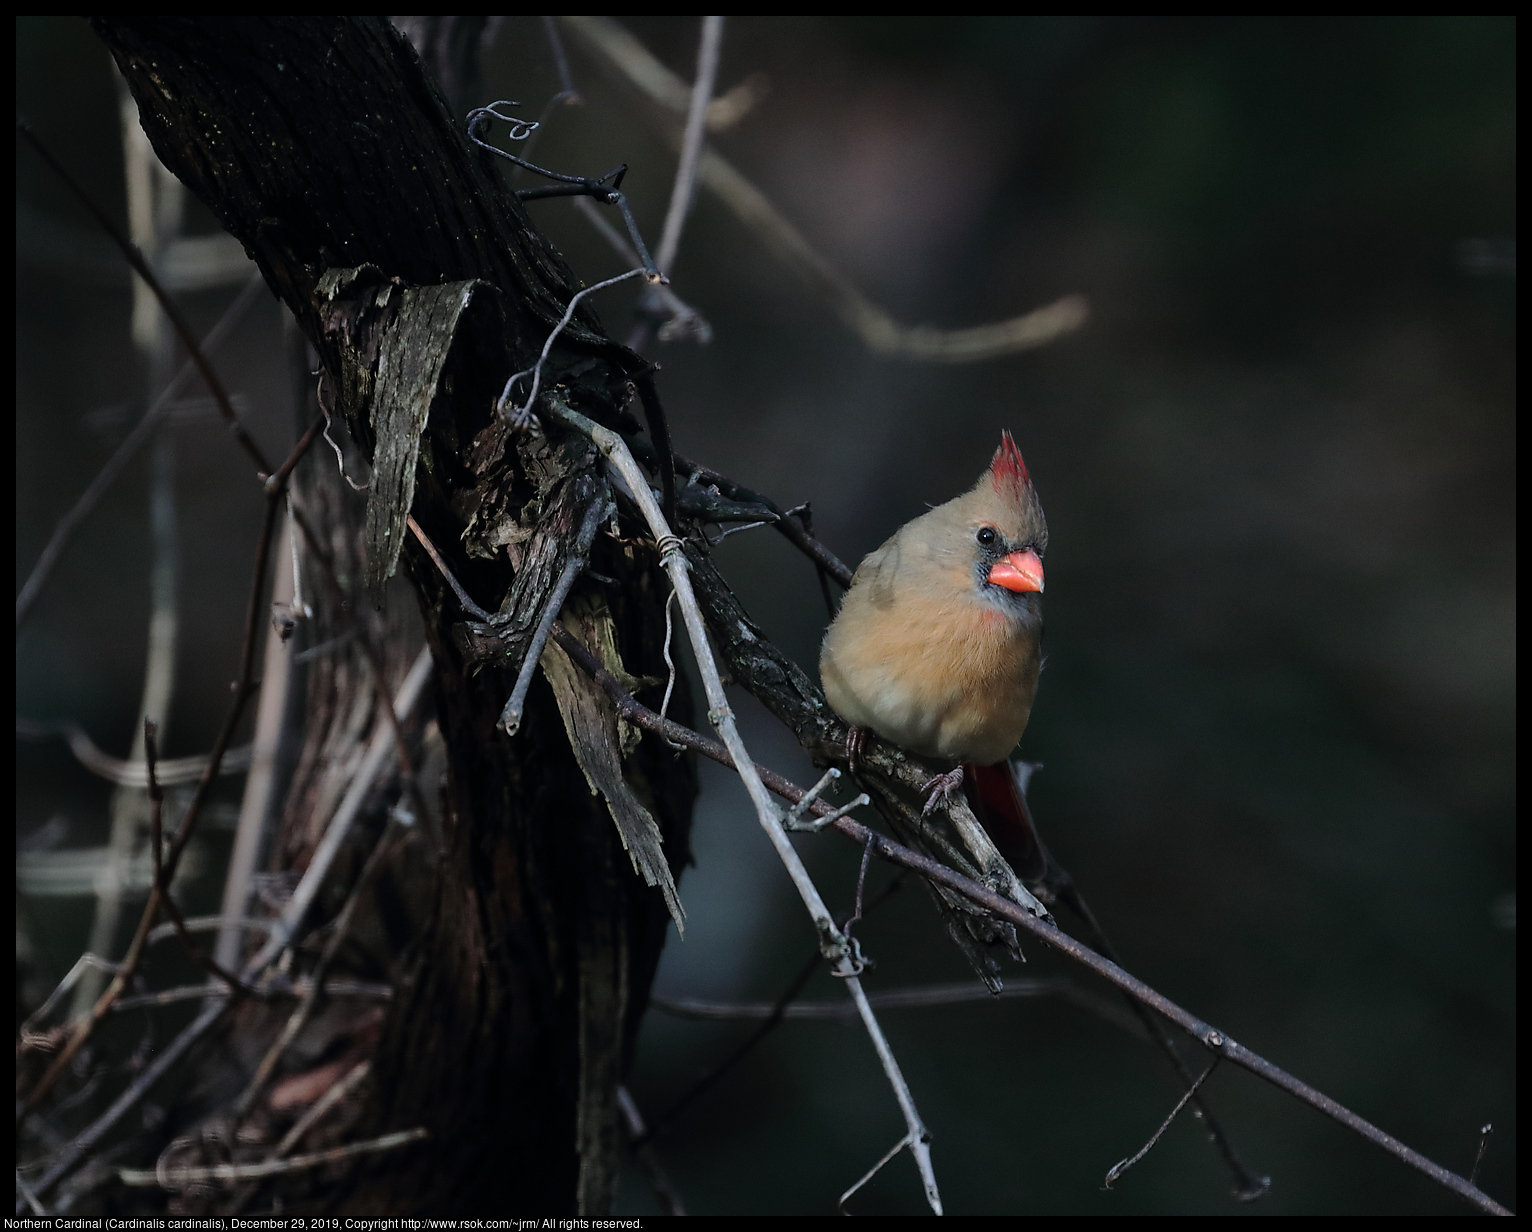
(938, 642)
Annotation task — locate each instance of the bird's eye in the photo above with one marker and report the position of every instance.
(986, 536)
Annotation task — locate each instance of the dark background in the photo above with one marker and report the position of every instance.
(1277, 715)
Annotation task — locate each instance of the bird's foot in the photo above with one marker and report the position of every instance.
(939, 788)
(856, 741)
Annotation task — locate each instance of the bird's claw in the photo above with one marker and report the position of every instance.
(939, 788)
(856, 741)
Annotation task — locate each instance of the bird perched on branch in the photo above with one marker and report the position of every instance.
(939, 640)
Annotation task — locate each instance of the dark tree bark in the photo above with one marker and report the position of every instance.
(324, 146)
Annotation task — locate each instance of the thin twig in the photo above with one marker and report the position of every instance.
(683, 321)
(926, 997)
(872, 1172)
(172, 310)
(276, 989)
(469, 606)
(1114, 1173)
(607, 188)
(256, 803)
(832, 941)
(683, 189)
(566, 96)
(183, 1177)
(1248, 1187)
(560, 59)
(642, 1142)
(142, 432)
(167, 901)
(521, 415)
(129, 773)
(792, 524)
(27, 1036)
(207, 924)
(877, 330)
(1478, 1158)
(510, 717)
(323, 1105)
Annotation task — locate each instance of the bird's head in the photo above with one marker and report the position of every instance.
(1004, 521)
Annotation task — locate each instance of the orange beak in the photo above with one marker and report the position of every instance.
(1020, 571)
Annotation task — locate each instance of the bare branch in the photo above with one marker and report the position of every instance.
(227, 1173)
(244, 688)
(167, 902)
(1114, 1173)
(642, 1142)
(135, 440)
(833, 943)
(904, 998)
(1216, 1041)
(130, 773)
(681, 193)
(172, 310)
(879, 331)
(691, 142)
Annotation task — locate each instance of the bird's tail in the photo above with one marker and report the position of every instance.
(998, 796)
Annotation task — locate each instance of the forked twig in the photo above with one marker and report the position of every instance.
(833, 942)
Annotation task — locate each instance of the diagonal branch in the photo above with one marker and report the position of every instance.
(172, 309)
(132, 443)
(833, 943)
(1209, 1037)
(879, 331)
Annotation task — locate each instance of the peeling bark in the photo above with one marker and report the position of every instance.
(324, 146)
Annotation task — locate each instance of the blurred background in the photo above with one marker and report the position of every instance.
(1276, 721)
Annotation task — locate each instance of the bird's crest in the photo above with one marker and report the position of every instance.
(1008, 473)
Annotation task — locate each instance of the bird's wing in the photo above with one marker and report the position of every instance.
(879, 573)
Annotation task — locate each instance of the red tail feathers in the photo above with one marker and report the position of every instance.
(998, 796)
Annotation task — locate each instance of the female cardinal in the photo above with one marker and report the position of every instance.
(938, 642)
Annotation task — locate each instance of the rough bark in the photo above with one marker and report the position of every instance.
(324, 146)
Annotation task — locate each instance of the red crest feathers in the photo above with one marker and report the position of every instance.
(1008, 472)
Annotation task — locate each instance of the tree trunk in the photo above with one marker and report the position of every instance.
(324, 146)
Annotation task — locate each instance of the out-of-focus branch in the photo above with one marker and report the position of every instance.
(901, 999)
(616, 47)
(172, 310)
(132, 443)
(227, 1173)
(134, 773)
(245, 687)
(682, 191)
